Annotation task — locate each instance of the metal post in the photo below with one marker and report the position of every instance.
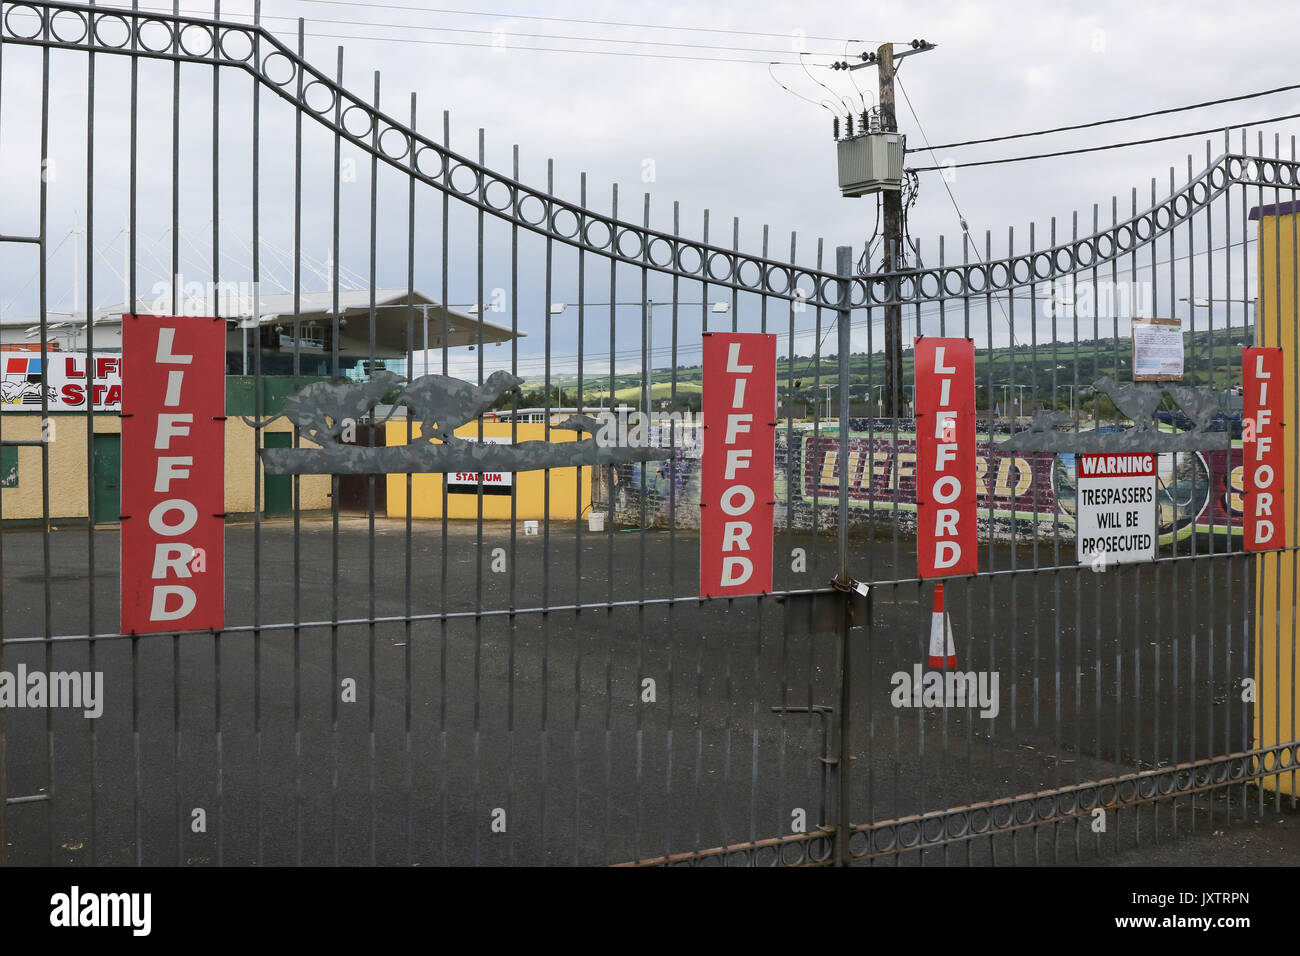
(893, 239)
(843, 267)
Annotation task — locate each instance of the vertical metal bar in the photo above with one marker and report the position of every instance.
(546, 517)
(843, 268)
(1295, 465)
(514, 555)
(257, 415)
(478, 533)
(131, 305)
(609, 542)
(90, 466)
(216, 279)
(176, 295)
(647, 392)
(297, 489)
(408, 635)
(577, 562)
(371, 693)
(444, 339)
(335, 357)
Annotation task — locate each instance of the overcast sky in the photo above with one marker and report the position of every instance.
(721, 136)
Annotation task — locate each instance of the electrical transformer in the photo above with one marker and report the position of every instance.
(870, 162)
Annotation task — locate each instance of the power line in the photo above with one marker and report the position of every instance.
(961, 219)
(1121, 119)
(1097, 149)
(584, 20)
(553, 49)
(537, 36)
(292, 36)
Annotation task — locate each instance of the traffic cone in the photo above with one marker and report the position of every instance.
(941, 657)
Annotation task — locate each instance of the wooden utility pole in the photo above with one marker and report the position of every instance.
(893, 241)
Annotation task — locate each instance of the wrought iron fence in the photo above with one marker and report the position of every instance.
(399, 685)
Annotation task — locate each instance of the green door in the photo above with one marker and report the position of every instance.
(108, 479)
(277, 491)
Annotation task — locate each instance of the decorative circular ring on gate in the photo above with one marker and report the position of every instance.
(197, 39)
(357, 120)
(386, 144)
(1164, 217)
(819, 849)
(430, 162)
(792, 854)
(532, 210)
(721, 266)
(909, 834)
(279, 69)
(932, 830)
(998, 275)
(593, 238)
(464, 179)
(23, 10)
(155, 36)
(236, 45)
(884, 839)
(116, 36)
(68, 26)
(766, 856)
(689, 258)
(318, 97)
(499, 195)
(859, 843)
(660, 252)
(778, 279)
(749, 273)
(628, 244)
(565, 223)
(1083, 253)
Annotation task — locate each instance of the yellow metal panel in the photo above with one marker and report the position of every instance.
(1275, 574)
(569, 488)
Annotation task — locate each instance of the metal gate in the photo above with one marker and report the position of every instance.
(402, 689)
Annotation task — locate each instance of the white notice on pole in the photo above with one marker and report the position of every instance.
(1116, 508)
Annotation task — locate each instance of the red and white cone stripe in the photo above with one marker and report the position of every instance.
(943, 655)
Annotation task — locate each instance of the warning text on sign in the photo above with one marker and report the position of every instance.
(1116, 508)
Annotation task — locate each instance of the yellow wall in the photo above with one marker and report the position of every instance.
(530, 486)
(68, 471)
(1276, 720)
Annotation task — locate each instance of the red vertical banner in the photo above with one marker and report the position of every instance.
(1263, 456)
(738, 462)
(173, 474)
(945, 457)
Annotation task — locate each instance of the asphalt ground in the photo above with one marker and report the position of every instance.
(531, 737)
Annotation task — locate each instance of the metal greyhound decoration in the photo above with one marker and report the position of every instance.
(440, 404)
(1138, 402)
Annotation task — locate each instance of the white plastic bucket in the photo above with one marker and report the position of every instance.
(596, 521)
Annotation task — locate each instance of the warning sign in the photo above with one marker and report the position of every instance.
(1116, 508)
